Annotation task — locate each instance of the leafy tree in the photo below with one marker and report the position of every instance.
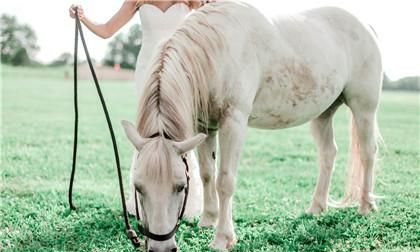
(18, 41)
(20, 58)
(62, 60)
(115, 51)
(123, 49)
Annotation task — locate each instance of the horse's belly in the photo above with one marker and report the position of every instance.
(278, 115)
(292, 99)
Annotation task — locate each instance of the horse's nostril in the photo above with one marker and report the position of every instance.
(174, 249)
(150, 250)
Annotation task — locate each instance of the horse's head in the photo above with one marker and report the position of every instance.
(160, 177)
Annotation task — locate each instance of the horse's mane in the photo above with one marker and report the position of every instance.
(176, 92)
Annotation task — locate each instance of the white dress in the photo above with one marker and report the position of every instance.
(157, 26)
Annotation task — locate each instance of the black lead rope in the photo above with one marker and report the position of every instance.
(78, 30)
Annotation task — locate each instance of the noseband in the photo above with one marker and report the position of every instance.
(143, 229)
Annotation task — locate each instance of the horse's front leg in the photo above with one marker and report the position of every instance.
(130, 203)
(195, 197)
(231, 139)
(207, 159)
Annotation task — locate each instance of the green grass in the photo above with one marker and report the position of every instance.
(276, 178)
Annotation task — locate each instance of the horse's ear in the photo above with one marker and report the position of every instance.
(133, 135)
(189, 144)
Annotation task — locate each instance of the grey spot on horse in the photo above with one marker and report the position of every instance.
(354, 35)
(269, 79)
(301, 79)
(205, 179)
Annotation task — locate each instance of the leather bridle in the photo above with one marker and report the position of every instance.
(143, 229)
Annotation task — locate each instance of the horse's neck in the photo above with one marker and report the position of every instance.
(177, 94)
(165, 107)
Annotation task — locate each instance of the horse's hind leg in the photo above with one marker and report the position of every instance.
(364, 149)
(207, 159)
(362, 97)
(322, 131)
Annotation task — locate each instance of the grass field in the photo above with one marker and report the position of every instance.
(277, 175)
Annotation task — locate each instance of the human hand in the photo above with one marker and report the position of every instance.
(72, 11)
(195, 4)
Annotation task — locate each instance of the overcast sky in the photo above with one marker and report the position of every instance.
(396, 22)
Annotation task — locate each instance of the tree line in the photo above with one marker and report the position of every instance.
(19, 46)
(410, 83)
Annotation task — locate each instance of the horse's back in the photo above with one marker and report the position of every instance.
(291, 68)
(330, 32)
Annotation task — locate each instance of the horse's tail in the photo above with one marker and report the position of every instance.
(355, 169)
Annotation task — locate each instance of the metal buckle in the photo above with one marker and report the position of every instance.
(132, 235)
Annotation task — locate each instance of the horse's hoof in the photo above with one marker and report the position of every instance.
(316, 209)
(223, 242)
(367, 207)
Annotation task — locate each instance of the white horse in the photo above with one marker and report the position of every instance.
(231, 67)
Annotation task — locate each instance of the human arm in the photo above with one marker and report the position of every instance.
(106, 30)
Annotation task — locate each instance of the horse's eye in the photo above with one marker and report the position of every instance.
(180, 188)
